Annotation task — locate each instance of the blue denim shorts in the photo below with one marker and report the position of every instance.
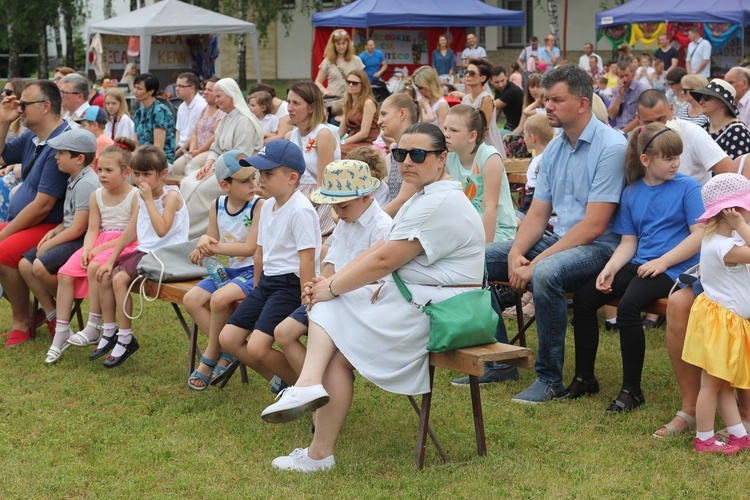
(300, 315)
(56, 257)
(243, 277)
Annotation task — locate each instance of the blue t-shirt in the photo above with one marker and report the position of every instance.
(40, 176)
(660, 216)
(156, 116)
(372, 62)
(571, 178)
(443, 64)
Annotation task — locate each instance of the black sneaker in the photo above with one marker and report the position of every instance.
(611, 327)
(580, 387)
(491, 374)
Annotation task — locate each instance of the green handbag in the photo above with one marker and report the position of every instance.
(464, 320)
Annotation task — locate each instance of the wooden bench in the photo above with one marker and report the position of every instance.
(659, 308)
(174, 293)
(470, 361)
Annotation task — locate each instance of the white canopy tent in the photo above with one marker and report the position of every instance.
(172, 17)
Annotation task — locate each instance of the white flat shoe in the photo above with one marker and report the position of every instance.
(54, 354)
(293, 402)
(300, 461)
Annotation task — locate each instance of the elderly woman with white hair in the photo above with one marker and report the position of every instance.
(239, 129)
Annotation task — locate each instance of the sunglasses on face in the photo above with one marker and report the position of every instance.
(470, 72)
(7, 92)
(705, 98)
(353, 83)
(685, 91)
(416, 155)
(23, 104)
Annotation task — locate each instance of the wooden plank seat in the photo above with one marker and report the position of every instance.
(659, 307)
(174, 293)
(470, 361)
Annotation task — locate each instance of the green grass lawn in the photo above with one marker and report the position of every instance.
(77, 430)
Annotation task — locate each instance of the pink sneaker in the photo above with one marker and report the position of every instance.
(742, 443)
(714, 446)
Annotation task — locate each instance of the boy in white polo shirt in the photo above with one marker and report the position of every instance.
(347, 186)
(286, 257)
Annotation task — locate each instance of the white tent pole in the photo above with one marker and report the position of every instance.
(256, 55)
(145, 45)
(88, 37)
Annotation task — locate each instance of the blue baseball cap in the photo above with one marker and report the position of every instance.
(276, 154)
(93, 114)
(228, 165)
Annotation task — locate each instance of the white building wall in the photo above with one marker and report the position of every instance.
(294, 52)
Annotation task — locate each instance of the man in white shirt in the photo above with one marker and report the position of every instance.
(698, 58)
(74, 90)
(472, 51)
(583, 61)
(193, 104)
(739, 78)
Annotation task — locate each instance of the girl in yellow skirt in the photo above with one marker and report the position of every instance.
(718, 333)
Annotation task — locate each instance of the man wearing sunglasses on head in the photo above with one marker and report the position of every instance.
(581, 177)
(37, 206)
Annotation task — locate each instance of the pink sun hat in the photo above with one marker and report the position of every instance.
(725, 191)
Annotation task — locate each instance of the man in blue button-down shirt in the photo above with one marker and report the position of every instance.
(581, 176)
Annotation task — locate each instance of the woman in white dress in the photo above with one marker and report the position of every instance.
(372, 328)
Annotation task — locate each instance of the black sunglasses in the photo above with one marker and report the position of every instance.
(470, 72)
(353, 83)
(417, 155)
(7, 92)
(23, 104)
(705, 98)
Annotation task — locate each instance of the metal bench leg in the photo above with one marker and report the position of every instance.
(424, 420)
(476, 408)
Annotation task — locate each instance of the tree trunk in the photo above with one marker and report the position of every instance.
(43, 59)
(241, 61)
(554, 23)
(70, 51)
(58, 37)
(107, 9)
(14, 70)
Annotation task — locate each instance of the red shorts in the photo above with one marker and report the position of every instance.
(13, 247)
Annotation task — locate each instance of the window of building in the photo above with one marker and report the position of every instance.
(517, 36)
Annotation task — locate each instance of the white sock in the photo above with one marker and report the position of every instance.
(612, 321)
(704, 436)
(737, 430)
(62, 333)
(109, 331)
(124, 336)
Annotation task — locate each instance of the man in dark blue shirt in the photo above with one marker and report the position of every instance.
(37, 206)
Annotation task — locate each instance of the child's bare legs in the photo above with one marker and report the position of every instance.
(233, 340)
(91, 330)
(108, 304)
(221, 303)
(288, 335)
(38, 280)
(715, 392)
(65, 303)
(260, 350)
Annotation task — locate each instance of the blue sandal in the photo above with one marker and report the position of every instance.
(203, 377)
(224, 372)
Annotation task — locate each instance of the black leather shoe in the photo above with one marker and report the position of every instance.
(580, 387)
(626, 401)
(130, 348)
(98, 353)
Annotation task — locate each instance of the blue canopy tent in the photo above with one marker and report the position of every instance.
(417, 14)
(678, 11)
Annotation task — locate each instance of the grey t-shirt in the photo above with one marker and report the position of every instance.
(78, 193)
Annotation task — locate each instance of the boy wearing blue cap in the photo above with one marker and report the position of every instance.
(94, 119)
(287, 257)
(39, 266)
(232, 230)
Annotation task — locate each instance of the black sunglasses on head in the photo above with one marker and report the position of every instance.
(417, 155)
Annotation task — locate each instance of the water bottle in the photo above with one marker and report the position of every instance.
(216, 271)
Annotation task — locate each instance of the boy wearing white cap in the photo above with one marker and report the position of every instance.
(232, 230)
(39, 266)
(348, 187)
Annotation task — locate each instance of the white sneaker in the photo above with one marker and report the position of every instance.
(293, 402)
(300, 461)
